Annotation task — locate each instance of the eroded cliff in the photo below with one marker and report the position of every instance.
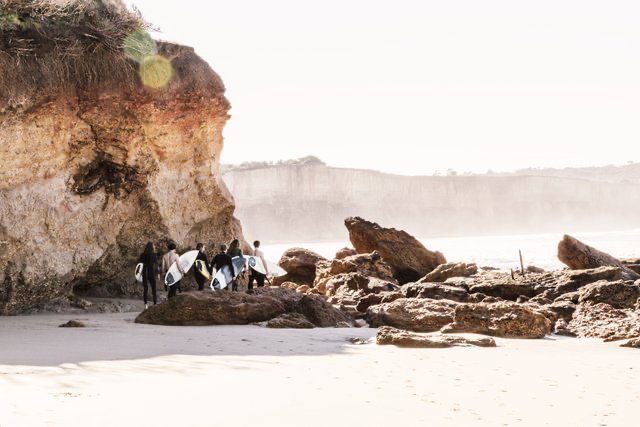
(93, 167)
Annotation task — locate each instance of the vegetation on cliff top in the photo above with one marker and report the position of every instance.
(48, 45)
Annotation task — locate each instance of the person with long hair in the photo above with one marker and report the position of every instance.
(149, 261)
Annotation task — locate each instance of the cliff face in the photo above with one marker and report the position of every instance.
(93, 171)
(308, 203)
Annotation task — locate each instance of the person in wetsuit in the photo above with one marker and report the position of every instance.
(200, 279)
(167, 261)
(223, 259)
(234, 251)
(255, 275)
(150, 262)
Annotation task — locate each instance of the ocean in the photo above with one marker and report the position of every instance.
(498, 251)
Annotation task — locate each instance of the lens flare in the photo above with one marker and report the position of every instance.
(155, 71)
(139, 46)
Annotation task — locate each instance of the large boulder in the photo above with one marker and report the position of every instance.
(300, 265)
(408, 258)
(419, 315)
(238, 308)
(450, 270)
(101, 154)
(579, 256)
(391, 336)
(502, 319)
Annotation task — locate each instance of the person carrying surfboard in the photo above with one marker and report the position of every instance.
(256, 275)
(149, 260)
(197, 274)
(235, 251)
(167, 261)
(223, 259)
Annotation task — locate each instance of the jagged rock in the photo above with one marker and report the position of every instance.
(391, 336)
(365, 265)
(522, 299)
(562, 328)
(289, 285)
(573, 280)
(237, 308)
(572, 297)
(503, 319)
(632, 343)
(449, 270)
(534, 269)
(345, 252)
(435, 291)
(73, 324)
(578, 256)
(563, 309)
(300, 265)
(95, 163)
(290, 321)
(506, 290)
(603, 321)
(616, 294)
(408, 258)
(420, 315)
(367, 301)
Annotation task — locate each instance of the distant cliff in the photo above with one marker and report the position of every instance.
(297, 203)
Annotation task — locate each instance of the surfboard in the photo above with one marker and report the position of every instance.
(186, 261)
(223, 277)
(274, 269)
(138, 273)
(202, 269)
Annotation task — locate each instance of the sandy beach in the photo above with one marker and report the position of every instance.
(115, 372)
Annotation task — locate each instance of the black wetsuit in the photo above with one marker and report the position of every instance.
(220, 261)
(149, 271)
(200, 279)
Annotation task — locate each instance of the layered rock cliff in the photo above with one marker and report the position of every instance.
(94, 166)
(300, 203)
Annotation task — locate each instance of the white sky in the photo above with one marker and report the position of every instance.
(416, 86)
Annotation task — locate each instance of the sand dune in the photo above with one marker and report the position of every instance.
(115, 372)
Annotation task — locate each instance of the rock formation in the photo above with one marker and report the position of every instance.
(100, 153)
(408, 258)
(300, 265)
(447, 271)
(239, 308)
(391, 336)
(419, 315)
(578, 256)
(503, 319)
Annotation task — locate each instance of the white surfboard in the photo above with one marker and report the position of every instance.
(186, 261)
(201, 266)
(138, 273)
(223, 277)
(274, 269)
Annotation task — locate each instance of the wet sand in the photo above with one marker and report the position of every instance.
(114, 372)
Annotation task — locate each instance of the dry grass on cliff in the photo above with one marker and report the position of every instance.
(49, 45)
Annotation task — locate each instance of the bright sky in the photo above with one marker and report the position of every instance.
(417, 86)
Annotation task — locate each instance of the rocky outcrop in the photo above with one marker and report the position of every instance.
(502, 319)
(419, 315)
(102, 159)
(633, 343)
(238, 308)
(391, 336)
(300, 265)
(578, 256)
(408, 258)
(329, 273)
(622, 295)
(449, 270)
(603, 321)
(436, 291)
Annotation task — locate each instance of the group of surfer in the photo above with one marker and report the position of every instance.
(152, 268)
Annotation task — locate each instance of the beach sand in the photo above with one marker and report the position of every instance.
(117, 373)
